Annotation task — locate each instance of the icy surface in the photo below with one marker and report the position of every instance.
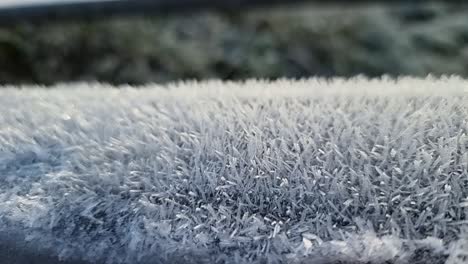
(313, 171)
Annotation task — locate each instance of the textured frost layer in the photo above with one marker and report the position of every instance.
(305, 171)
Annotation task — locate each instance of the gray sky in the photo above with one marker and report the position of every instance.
(5, 3)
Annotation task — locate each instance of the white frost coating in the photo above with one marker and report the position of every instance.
(308, 171)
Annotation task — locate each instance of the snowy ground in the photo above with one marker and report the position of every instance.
(309, 171)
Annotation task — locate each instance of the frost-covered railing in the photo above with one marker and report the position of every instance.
(308, 171)
(13, 11)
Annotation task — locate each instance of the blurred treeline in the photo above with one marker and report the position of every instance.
(294, 42)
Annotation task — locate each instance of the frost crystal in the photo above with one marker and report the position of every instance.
(311, 171)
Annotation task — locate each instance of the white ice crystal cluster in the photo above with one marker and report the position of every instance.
(307, 171)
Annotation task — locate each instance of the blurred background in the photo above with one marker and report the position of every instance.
(295, 41)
